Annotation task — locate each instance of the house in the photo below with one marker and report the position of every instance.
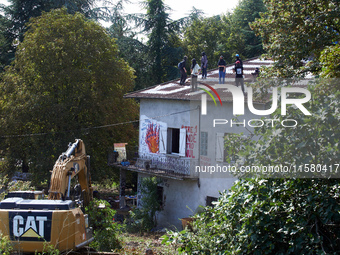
(181, 139)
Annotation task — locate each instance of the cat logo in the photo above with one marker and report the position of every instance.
(30, 226)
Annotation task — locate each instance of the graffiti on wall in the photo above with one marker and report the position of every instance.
(191, 140)
(150, 135)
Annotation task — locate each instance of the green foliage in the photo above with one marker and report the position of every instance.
(20, 185)
(242, 38)
(206, 35)
(105, 230)
(6, 186)
(18, 13)
(66, 79)
(297, 31)
(330, 59)
(138, 221)
(143, 219)
(314, 140)
(3, 184)
(48, 249)
(162, 52)
(5, 245)
(274, 216)
(225, 35)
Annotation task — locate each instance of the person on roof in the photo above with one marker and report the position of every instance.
(239, 74)
(204, 65)
(195, 68)
(221, 70)
(256, 73)
(182, 70)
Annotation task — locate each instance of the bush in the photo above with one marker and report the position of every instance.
(105, 230)
(49, 249)
(274, 216)
(143, 219)
(5, 245)
(139, 221)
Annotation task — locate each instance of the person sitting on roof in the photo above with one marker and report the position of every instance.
(256, 73)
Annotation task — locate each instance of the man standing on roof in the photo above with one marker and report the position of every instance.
(195, 68)
(221, 70)
(239, 74)
(204, 65)
(183, 71)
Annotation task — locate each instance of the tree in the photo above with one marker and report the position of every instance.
(18, 13)
(208, 35)
(66, 82)
(160, 29)
(130, 48)
(294, 32)
(144, 218)
(226, 34)
(242, 38)
(330, 59)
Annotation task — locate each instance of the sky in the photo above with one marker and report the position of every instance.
(181, 8)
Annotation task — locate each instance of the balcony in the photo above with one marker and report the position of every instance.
(162, 165)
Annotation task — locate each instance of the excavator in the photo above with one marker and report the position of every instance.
(32, 224)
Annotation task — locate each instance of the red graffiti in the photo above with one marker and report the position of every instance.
(190, 140)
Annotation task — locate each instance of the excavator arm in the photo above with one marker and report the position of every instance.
(67, 167)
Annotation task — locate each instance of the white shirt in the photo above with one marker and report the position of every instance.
(196, 69)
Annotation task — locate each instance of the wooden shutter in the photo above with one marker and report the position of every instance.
(182, 141)
(163, 140)
(219, 147)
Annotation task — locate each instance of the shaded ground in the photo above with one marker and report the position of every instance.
(138, 244)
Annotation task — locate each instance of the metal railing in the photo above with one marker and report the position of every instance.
(158, 164)
(169, 164)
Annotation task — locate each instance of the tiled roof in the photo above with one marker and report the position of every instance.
(173, 90)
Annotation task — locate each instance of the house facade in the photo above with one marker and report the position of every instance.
(182, 137)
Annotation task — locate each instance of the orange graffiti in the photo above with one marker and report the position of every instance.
(152, 138)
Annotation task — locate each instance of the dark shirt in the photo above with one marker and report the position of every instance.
(239, 71)
(204, 61)
(220, 63)
(182, 66)
(238, 59)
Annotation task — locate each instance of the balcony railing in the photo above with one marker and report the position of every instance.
(170, 165)
(158, 164)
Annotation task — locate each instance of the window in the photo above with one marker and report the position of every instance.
(204, 143)
(173, 141)
(228, 146)
(174, 133)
